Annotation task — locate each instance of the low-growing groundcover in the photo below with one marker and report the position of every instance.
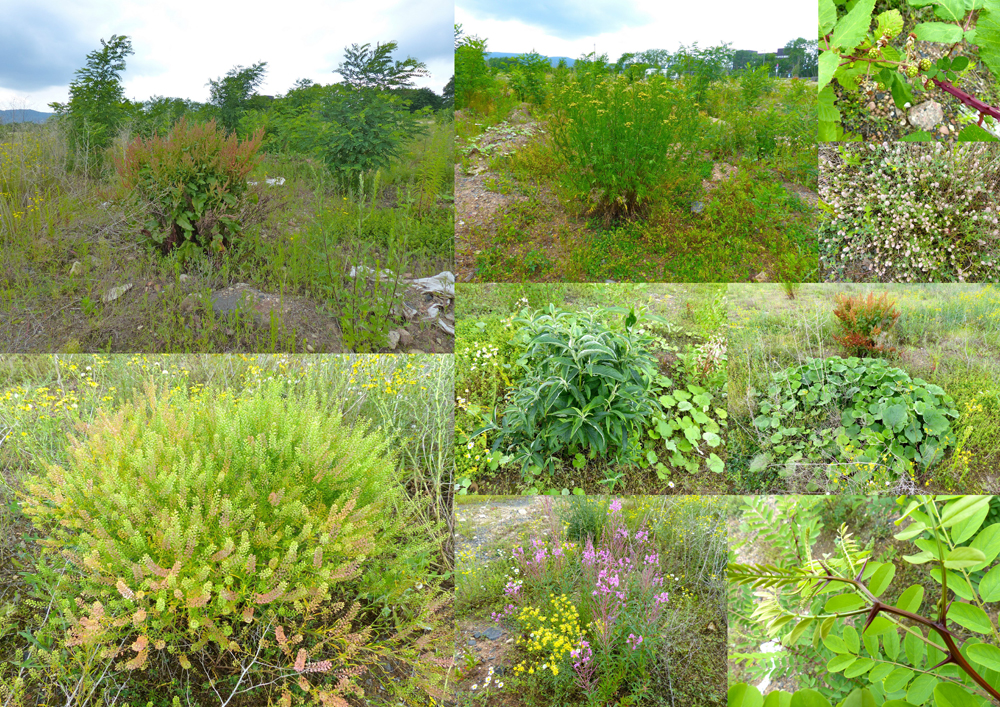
(919, 411)
(247, 543)
(608, 601)
(602, 171)
(910, 213)
(557, 401)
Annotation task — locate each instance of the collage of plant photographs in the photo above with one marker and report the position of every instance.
(458, 353)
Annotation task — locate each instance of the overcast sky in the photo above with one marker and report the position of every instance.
(181, 44)
(573, 27)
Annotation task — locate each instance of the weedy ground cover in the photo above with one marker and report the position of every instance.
(872, 620)
(590, 388)
(910, 213)
(128, 261)
(920, 410)
(602, 176)
(189, 528)
(606, 600)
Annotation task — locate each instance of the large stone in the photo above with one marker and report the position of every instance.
(926, 115)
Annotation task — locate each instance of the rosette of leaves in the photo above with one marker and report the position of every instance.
(859, 56)
(191, 521)
(687, 432)
(586, 389)
(827, 408)
(898, 652)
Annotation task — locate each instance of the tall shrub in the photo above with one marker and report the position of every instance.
(194, 178)
(865, 322)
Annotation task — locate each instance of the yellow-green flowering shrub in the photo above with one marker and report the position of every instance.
(547, 635)
(204, 525)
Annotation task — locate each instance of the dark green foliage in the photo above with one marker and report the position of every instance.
(527, 77)
(231, 94)
(367, 68)
(586, 388)
(472, 74)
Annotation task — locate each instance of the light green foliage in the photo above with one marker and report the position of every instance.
(883, 419)
(622, 142)
(472, 75)
(195, 178)
(585, 389)
(187, 517)
(810, 600)
(527, 79)
(688, 432)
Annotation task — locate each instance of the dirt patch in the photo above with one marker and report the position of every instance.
(481, 527)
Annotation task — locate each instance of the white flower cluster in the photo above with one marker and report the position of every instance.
(908, 212)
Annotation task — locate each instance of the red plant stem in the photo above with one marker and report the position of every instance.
(968, 100)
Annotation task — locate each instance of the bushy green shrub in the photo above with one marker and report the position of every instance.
(621, 142)
(860, 410)
(200, 526)
(585, 389)
(194, 177)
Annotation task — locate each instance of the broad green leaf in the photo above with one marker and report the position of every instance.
(808, 698)
(895, 417)
(853, 26)
(970, 616)
(921, 689)
(936, 422)
(956, 583)
(860, 667)
(882, 578)
(879, 626)
(743, 695)
(914, 648)
(835, 643)
(889, 23)
(911, 531)
(951, 10)
(919, 136)
(988, 541)
(828, 62)
(880, 672)
(897, 679)
(861, 697)
(715, 463)
(961, 508)
(975, 133)
(890, 641)
(948, 694)
(840, 662)
(965, 529)
(792, 638)
(711, 439)
(963, 557)
(984, 654)
(989, 588)
(851, 639)
(827, 16)
(920, 558)
(843, 602)
(938, 32)
(826, 111)
(911, 599)
(778, 698)
(988, 35)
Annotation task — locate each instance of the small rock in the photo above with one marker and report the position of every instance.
(943, 130)
(472, 641)
(75, 268)
(185, 278)
(926, 115)
(190, 303)
(610, 282)
(405, 338)
(310, 348)
(490, 634)
(522, 512)
(116, 292)
(763, 277)
(509, 641)
(697, 207)
(393, 338)
(871, 106)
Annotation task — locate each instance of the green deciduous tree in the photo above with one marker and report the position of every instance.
(97, 104)
(231, 94)
(367, 68)
(472, 74)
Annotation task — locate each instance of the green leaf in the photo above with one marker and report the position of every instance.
(840, 662)
(911, 599)
(890, 23)
(851, 639)
(897, 679)
(989, 587)
(988, 541)
(921, 689)
(827, 16)
(963, 557)
(880, 672)
(948, 694)
(963, 530)
(962, 508)
(951, 10)
(882, 578)
(860, 697)
(711, 439)
(895, 417)
(828, 62)
(975, 133)
(835, 644)
(853, 26)
(914, 648)
(988, 36)
(936, 422)
(970, 616)
(938, 32)
(715, 464)
(743, 695)
(985, 655)
(843, 602)
(860, 667)
(808, 698)
(920, 558)
(778, 698)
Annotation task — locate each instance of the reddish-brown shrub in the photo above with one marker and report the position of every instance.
(865, 322)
